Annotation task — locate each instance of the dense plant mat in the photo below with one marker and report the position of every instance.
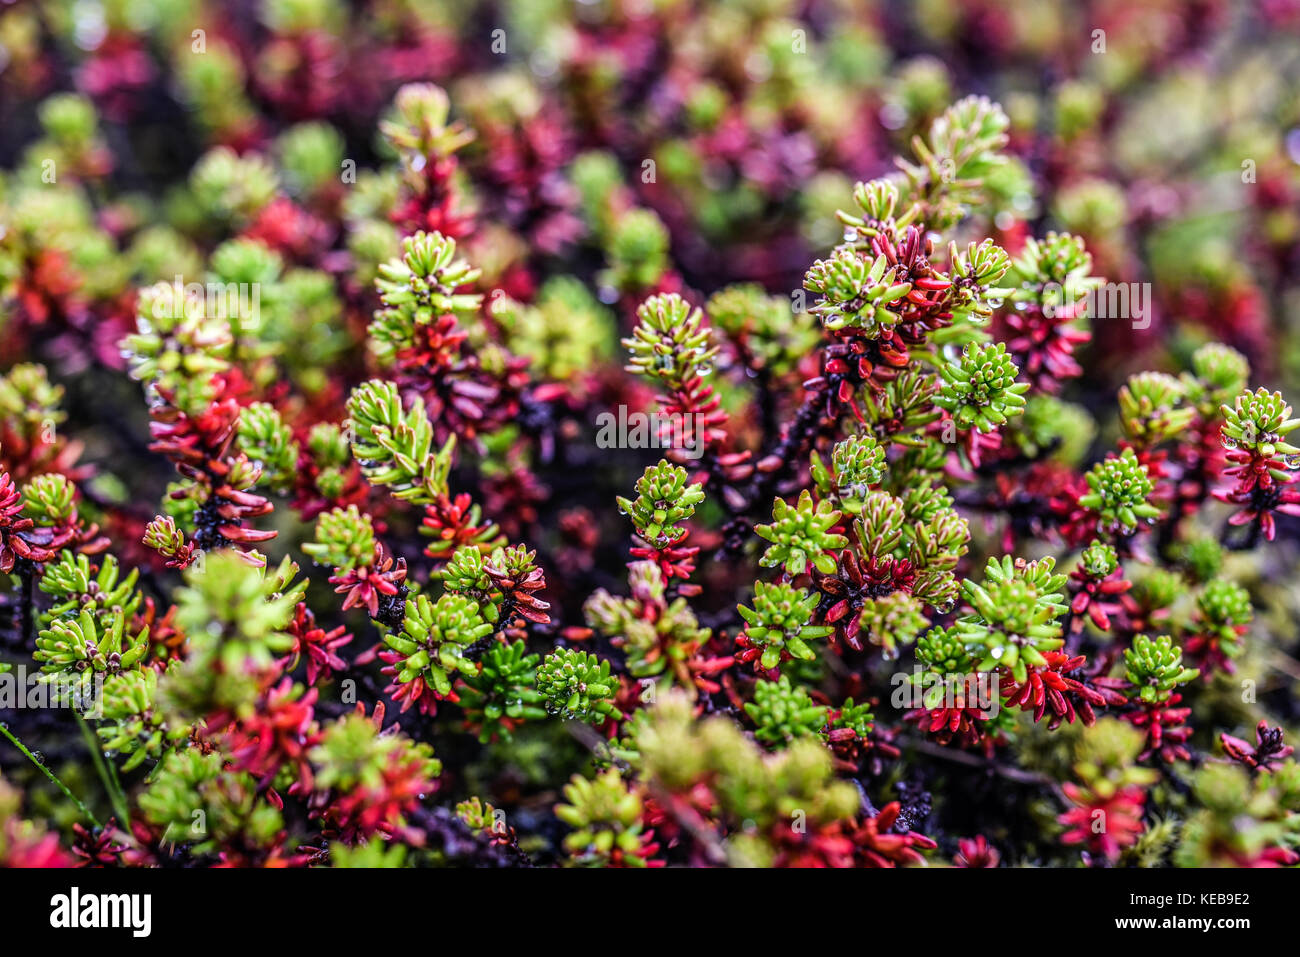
(630, 434)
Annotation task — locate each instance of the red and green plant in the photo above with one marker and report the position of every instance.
(912, 549)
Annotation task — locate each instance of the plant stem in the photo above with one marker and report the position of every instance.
(109, 780)
(993, 767)
(792, 444)
(4, 729)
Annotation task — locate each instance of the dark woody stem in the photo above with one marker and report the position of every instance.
(794, 442)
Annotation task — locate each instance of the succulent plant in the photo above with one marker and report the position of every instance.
(782, 712)
(1014, 602)
(801, 535)
(1119, 489)
(779, 623)
(663, 498)
(434, 637)
(577, 685)
(1154, 667)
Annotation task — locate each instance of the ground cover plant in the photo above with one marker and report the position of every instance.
(643, 434)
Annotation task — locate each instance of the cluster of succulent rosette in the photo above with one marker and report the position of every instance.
(309, 525)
